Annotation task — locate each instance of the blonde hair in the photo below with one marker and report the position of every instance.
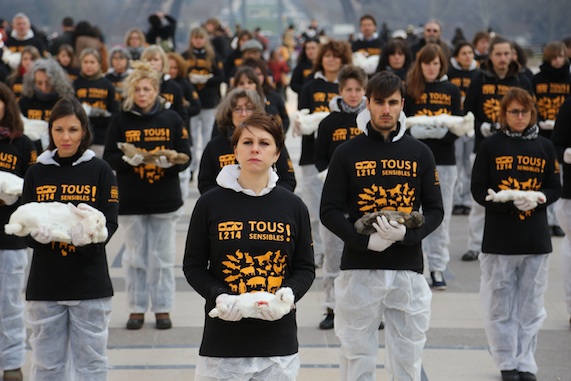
(141, 70)
(153, 50)
(210, 54)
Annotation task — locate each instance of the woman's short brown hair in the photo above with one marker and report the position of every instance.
(516, 94)
(340, 49)
(265, 122)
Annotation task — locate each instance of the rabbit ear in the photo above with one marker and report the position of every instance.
(77, 210)
(86, 207)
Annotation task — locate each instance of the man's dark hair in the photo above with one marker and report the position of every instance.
(384, 84)
(67, 22)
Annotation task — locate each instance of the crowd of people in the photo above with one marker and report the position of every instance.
(378, 118)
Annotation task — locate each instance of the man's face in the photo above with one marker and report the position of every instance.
(21, 26)
(368, 28)
(385, 112)
(501, 56)
(432, 32)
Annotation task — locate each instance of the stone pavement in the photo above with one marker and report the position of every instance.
(456, 348)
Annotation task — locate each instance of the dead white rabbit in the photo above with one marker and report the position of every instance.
(458, 125)
(10, 187)
(58, 222)
(257, 305)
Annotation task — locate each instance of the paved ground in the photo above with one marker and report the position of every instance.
(456, 348)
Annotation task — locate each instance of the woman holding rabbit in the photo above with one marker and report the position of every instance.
(69, 289)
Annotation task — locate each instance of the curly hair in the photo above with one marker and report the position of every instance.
(340, 49)
(224, 110)
(141, 70)
(57, 78)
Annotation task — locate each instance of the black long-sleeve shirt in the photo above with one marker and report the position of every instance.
(300, 75)
(238, 243)
(438, 98)
(561, 138)
(147, 188)
(98, 93)
(208, 92)
(62, 271)
(218, 153)
(16, 156)
(368, 174)
(504, 162)
(315, 96)
(551, 87)
(485, 93)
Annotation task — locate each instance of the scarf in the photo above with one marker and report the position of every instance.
(355, 110)
(529, 133)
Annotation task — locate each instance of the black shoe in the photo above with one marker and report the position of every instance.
(438, 282)
(327, 323)
(470, 255)
(13, 375)
(163, 321)
(510, 375)
(381, 326)
(526, 376)
(556, 231)
(135, 321)
(467, 210)
(458, 210)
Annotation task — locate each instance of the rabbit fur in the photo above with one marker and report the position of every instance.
(458, 125)
(60, 218)
(10, 187)
(252, 303)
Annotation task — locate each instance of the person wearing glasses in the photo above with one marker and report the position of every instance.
(517, 242)
(483, 97)
(236, 106)
(432, 35)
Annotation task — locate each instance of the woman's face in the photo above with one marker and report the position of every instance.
(63, 58)
(119, 63)
(397, 60)
(89, 65)
(197, 42)
(67, 133)
(352, 92)
(241, 111)
(256, 150)
(311, 49)
(517, 117)
(42, 82)
(431, 69)
(156, 63)
(558, 61)
(145, 94)
(465, 56)
(173, 68)
(244, 82)
(134, 40)
(331, 63)
(26, 61)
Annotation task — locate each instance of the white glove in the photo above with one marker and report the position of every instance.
(488, 129)
(78, 238)
(428, 132)
(547, 124)
(228, 309)
(43, 235)
(296, 129)
(163, 162)
(136, 160)
(525, 205)
(567, 155)
(390, 230)
(378, 243)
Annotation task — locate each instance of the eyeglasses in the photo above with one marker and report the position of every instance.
(519, 112)
(239, 110)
